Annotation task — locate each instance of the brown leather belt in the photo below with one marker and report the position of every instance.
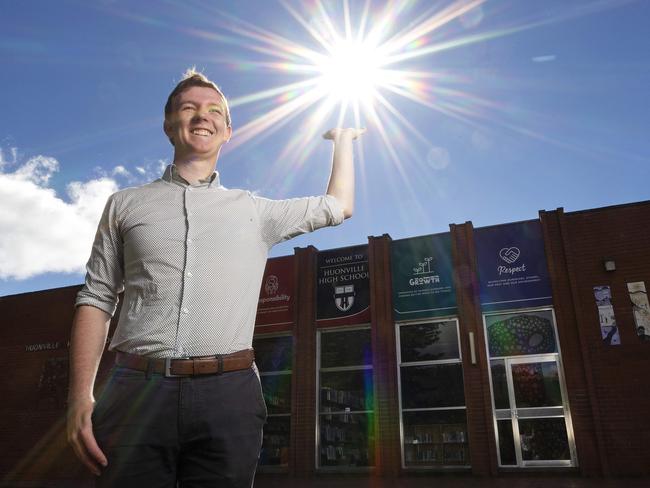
(188, 367)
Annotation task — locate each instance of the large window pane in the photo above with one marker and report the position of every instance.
(273, 353)
(273, 356)
(429, 342)
(275, 445)
(544, 439)
(499, 384)
(536, 385)
(277, 392)
(506, 443)
(345, 348)
(520, 334)
(432, 386)
(343, 390)
(435, 438)
(347, 440)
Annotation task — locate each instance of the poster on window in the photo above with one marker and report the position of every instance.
(275, 304)
(640, 309)
(422, 271)
(608, 328)
(512, 266)
(343, 286)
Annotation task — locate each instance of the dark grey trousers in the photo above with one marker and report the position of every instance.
(201, 431)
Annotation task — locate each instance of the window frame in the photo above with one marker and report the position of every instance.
(557, 357)
(271, 468)
(431, 362)
(319, 370)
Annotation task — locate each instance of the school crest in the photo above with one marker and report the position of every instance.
(344, 297)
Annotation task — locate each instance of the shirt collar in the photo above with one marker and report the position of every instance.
(171, 175)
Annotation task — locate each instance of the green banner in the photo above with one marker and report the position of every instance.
(423, 284)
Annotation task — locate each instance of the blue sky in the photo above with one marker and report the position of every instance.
(494, 111)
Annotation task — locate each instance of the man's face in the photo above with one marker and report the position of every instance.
(197, 123)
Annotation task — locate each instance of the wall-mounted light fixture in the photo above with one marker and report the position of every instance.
(609, 264)
(472, 347)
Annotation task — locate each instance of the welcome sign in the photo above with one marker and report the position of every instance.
(512, 266)
(343, 286)
(422, 271)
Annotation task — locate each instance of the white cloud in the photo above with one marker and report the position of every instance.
(40, 231)
(121, 171)
(4, 162)
(545, 58)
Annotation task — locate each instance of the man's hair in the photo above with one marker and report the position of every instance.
(191, 78)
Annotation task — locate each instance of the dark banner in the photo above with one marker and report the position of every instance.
(512, 266)
(275, 305)
(342, 286)
(422, 270)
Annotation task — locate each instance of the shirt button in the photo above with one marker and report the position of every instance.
(189, 241)
(185, 310)
(189, 188)
(189, 273)
(190, 214)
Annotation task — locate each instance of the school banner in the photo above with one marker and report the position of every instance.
(512, 266)
(343, 286)
(275, 305)
(422, 270)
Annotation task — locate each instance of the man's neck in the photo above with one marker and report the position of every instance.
(193, 170)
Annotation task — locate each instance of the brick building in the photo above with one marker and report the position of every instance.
(510, 348)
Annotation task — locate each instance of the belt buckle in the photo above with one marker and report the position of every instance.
(168, 369)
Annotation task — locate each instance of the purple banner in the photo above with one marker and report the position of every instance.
(512, 266)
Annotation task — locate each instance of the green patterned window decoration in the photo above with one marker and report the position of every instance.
(519, 334)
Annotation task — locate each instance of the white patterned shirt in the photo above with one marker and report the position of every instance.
(190, 260)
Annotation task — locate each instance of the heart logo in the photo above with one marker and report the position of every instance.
(509, 254)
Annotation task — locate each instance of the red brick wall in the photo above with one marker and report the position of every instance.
(482, 443)
(34, 363)
(607, 385)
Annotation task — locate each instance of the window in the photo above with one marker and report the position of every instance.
(533, 424)
(273, 356)
(345, 399)
(432, 397)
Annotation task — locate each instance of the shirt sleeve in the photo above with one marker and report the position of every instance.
(284, 219)
(104, 270)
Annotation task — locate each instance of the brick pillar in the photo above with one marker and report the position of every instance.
(303, 381)
(482, 444)
(576, 362)
(386, 405)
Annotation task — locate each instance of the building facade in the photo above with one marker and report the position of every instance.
(510, 348)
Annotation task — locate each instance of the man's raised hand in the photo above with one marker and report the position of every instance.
(337, 132)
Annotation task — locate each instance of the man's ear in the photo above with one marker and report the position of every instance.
(228, 133)
(167, 128)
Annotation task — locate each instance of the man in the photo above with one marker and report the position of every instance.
(189, 255)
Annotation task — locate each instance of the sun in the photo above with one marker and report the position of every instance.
(351, 72)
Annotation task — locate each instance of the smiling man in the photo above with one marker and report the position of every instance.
(184, 406)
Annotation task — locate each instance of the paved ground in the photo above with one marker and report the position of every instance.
(531, 481)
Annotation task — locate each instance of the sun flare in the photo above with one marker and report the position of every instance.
(352, 72)
(355, 65)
